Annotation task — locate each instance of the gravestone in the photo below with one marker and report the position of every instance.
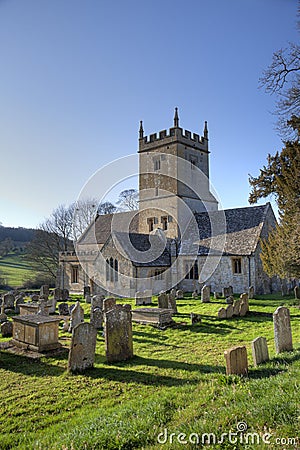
(7, 329)
(83, 345)
(260, 351)
(245, 298)
(57, 294)
(243, 309)
(251, 292)
(172, 303)
(44, 290)
(63, 309)
(222, 313)
(297, 292)
(282, 330)
(227, 291)
(230, 300)
(118, 333)
(19, 300)
(64, 294)
(179, 294)
(147, 297)
(88, 298)
(52, 305)
(77, 316)
(163, 302)
(236, 307)
(108, 303)
(195, 318)
(229, 312)
(195, 295)
(9, 301)
(236, 361)
(96, 317)
(35, 297)
(42, 310)
(217, 295)
(205, 294)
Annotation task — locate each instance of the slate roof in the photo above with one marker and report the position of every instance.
(100, 229)
(142, 249)
(239, 235)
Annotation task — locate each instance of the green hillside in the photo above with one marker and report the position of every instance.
(15, 270)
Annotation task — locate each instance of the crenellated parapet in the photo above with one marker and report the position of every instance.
(174, 135)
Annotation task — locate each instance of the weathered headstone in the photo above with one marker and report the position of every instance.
(195, 295)
(195, 318)
(179, 294)
(236, 361)
(236, 307)
(245, 298)
(108, 304)
(96, 317)
(172, 303)
(297, 292)
(222, 313)
(64, 294)
(77, 316)
(163, 301)
(229, 312)
(282, 330)
(7, 329)
(118, 333)
(230, 300)
(143, 297)
(19, 300)
(147, 296)
(251, 292)
(83, 345)
(243, 309)
(44, 290)
(217, 295)
(63, 309)
(52, 305)
(57, 294)
(227, 291)
(86, 290)
(42, 310)
(9, 301)
(205, 294)
(260, 351)
(88, 298)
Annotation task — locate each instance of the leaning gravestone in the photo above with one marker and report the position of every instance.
(230, 300)
(245, 298)
(205, 294)
(243, 308)
(118, 333)
(282, 330)
(19, 300)
(83, 345)
(77, 316)
(236, 307)
(260, 351)
(163, 301)
(222, 313)
(7, 329)
(236, 361)
(297, 292)
(63, 309)
(9, 301)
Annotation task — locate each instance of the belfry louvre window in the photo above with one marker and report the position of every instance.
(237, 265)
(74, 274)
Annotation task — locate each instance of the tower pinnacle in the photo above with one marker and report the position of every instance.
(141, 131)
(205, 132)
(176, 119)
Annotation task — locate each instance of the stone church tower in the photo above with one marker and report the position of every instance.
(173, 178)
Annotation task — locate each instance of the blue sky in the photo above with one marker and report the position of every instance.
(78, 75)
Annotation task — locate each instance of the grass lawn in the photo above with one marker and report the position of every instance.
(175, 383)
(14, 270)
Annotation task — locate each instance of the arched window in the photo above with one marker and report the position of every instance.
(112, 268)
(116, 267)
(192, 273)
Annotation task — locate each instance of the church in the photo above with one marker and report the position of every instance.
(178, 237)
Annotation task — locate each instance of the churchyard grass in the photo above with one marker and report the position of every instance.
(175, 382)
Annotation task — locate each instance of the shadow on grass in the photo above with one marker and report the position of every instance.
(28, 366)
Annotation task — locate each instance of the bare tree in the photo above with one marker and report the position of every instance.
(128, 200)
(106, 208)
